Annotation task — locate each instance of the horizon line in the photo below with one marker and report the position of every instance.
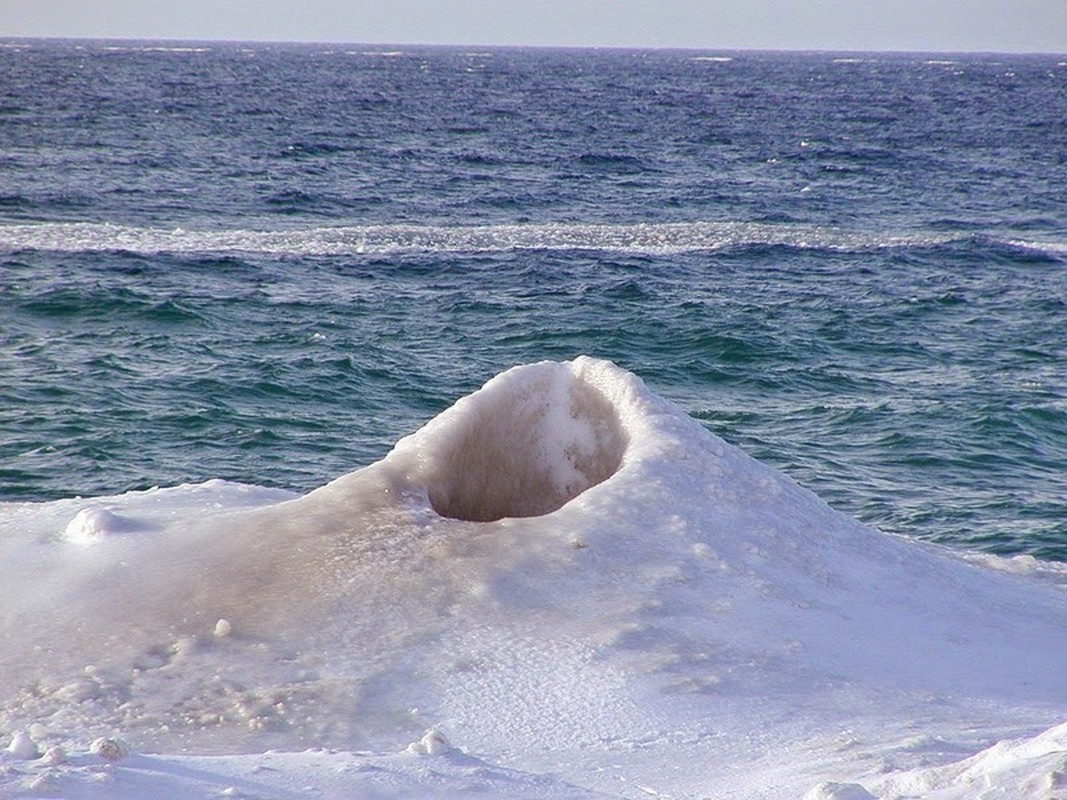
(513, 46)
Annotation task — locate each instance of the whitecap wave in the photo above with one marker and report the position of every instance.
(563, 571)
(647, 238)
(1047, 248)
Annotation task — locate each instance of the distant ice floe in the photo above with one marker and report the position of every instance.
(562, 573)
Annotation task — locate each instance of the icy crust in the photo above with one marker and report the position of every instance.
(414, 772)
(564, 572)
(430, 766)
(1033, 767)
(91, 520)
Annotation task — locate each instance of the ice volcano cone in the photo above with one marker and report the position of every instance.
(562, 570)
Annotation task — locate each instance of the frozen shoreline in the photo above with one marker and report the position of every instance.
(575, 582)
(1022, 768)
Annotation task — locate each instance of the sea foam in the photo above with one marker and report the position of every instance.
(640, 238)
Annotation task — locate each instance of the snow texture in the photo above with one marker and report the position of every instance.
(562, 586)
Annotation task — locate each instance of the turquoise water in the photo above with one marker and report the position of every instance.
(268, 263)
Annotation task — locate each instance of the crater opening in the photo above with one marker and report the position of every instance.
(525, 447)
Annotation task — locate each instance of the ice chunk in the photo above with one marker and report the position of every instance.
(433, 743)
(23, 747)
(109, 749)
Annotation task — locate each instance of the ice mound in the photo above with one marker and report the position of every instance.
(564, 572)
(23, 747)
(94, 524)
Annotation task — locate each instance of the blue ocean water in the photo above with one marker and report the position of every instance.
(268, 262)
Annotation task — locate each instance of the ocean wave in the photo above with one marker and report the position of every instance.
(650, 238)
(1056, 250)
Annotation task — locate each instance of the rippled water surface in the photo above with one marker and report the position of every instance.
(267, 263)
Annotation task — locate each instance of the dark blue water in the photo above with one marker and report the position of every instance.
(266, 263)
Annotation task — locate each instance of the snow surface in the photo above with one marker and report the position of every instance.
(561, 587)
